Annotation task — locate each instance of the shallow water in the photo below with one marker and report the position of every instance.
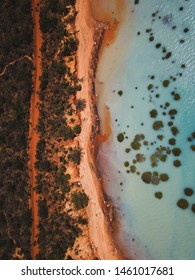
(151, 228)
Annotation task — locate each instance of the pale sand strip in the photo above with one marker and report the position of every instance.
(100, 230)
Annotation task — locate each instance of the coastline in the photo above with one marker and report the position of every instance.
(100, 211)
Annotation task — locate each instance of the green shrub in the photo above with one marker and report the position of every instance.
(79, 200)
(81, 104)
(75, 156)
(43, 209)
(77, 129)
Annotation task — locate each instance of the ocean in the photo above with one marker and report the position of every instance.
(145, 83)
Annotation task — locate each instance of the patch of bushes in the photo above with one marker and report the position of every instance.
(80, 200)
(16, 36)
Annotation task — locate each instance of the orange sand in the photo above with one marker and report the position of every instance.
(34, 137)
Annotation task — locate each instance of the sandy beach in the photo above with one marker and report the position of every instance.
(99, 224)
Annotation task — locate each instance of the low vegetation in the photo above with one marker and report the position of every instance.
(58, 152)
(16, 36)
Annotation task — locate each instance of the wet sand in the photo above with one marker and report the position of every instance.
(99, 210)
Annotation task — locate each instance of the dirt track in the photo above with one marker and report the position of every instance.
(34, 116)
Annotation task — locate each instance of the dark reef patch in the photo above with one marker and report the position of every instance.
(188, 191)
(193, 208)
(167, 19)
(193, 148)
(177, 163)
(164, 177)
(158, 125)
(182, 203)
(120, 137)
(176, 152)
(172, 141)
(120, 92)
(158, 195)
(174, 130)
(153, 113)
(165, 83)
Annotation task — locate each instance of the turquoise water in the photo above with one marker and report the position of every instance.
(161, 78)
